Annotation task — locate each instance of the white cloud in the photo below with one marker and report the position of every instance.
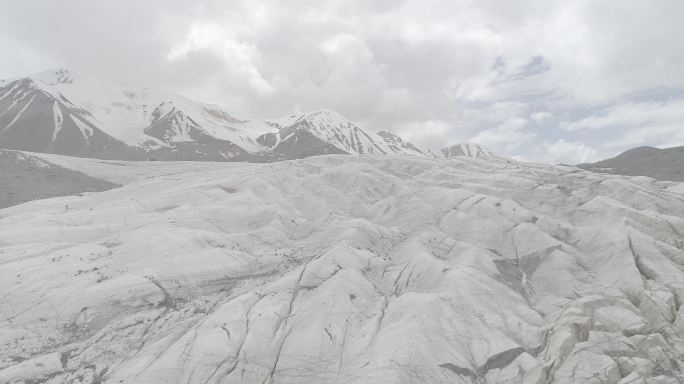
(567, 152)
(631, 114)
(431, 132)
(507, 136)
(472, 69)
(243, 56)
(541, 116)
(636, 123)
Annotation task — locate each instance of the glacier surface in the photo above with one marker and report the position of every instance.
(340, 269)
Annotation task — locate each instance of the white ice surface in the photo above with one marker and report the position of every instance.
(341, 269)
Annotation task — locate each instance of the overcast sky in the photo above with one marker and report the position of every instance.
(552, 81)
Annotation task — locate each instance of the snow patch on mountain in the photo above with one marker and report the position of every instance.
(58, 119)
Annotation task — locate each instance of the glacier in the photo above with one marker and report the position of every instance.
(344, 269)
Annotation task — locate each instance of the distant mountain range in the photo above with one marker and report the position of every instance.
(470, 150)
(662, 164)
(59, 112)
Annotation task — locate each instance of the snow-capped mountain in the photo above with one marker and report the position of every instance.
(467, 149)
(35, 118)
(344, 269)
(59, 112)
(327, 132)
(398, 144)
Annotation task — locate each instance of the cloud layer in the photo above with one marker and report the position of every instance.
(546, 81)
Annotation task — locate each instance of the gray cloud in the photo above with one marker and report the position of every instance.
(511, 75)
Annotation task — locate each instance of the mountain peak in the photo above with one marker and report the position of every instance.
(55, 76)
(323, 112)
(468, 150)
(328, 116)
(397, 143)
(325, 131)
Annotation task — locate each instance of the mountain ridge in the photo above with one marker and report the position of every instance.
(59, 112)
(663, 164)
